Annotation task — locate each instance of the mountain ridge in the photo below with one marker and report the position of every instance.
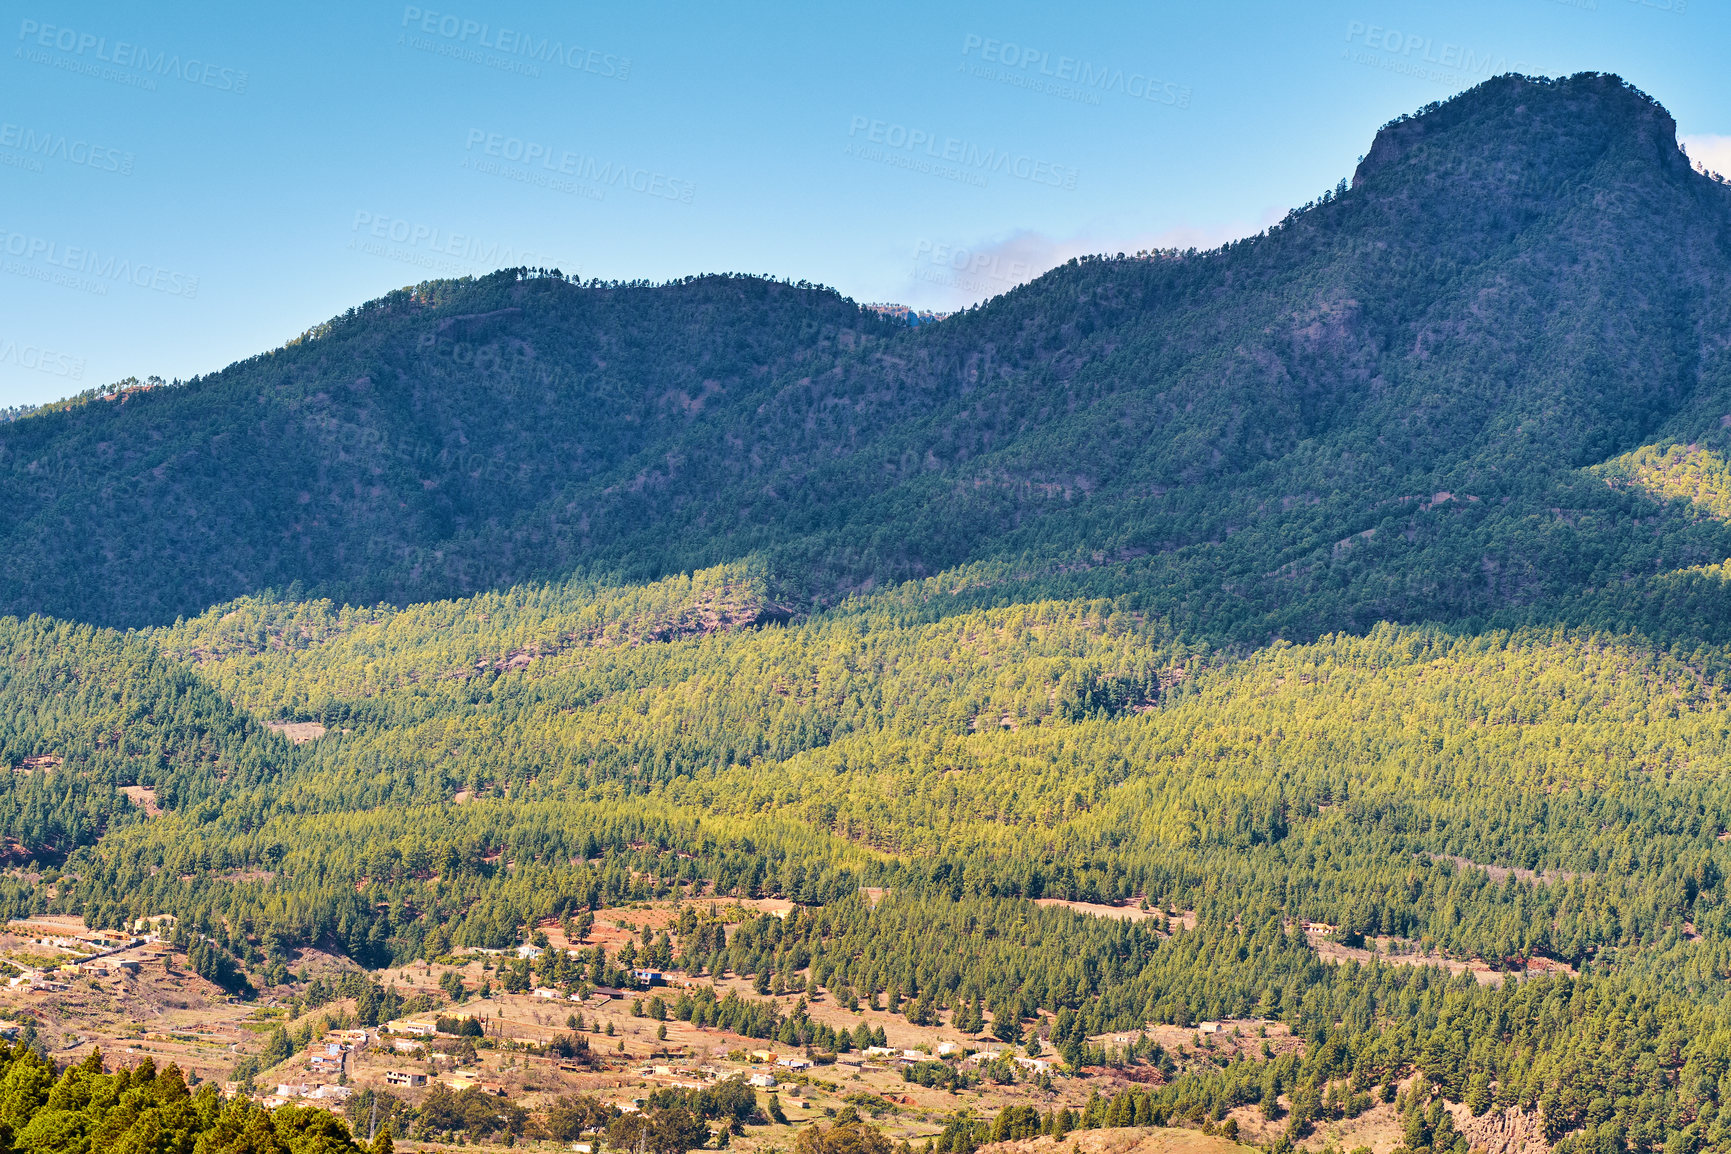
(1406, 335)
(1353, 593)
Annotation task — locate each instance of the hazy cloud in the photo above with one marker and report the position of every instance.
(948, 274)
(1710, 150)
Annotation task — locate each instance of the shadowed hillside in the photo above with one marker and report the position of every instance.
(1378, 409)
(1343, 612)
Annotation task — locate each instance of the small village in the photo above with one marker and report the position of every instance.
(131, 995)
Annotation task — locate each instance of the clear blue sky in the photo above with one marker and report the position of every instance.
(185, 185)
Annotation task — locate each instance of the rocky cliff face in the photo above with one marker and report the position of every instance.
(1512, 1131)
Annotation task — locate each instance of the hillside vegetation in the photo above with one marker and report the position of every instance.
(1363, 583)
(1545, 793)
(1378, 409)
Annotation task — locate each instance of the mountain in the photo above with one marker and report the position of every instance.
(1382, 408)
(1347, 606)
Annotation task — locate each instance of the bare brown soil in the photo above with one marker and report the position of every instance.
(1123, 913)
(47, 924)
(164, 1012)
(1140, 1140)
(609, 931)
(144, 797)
(299, 732)
(1503, 873)
(1398, 952)
(170, 1015)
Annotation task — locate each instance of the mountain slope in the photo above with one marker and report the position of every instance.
(1214, 554)
(1379, 409)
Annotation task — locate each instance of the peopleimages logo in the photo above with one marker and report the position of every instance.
(39, 359)
(432, 247)
(554, 163)
(517, 51)
(941, 155)
(970, 270)
(1409, 52)
(56, 146)
(87, 51)
(1068, 76)
(86, 269)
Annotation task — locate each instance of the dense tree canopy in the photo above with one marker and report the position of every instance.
(1379, 408)
(1363, 581)
(82, 1110)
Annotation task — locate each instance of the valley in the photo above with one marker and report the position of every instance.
(1268, 696)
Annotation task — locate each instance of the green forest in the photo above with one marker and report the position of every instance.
(1535, 793)
(1361, 584)
(82, 1107)
(1380, 408)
